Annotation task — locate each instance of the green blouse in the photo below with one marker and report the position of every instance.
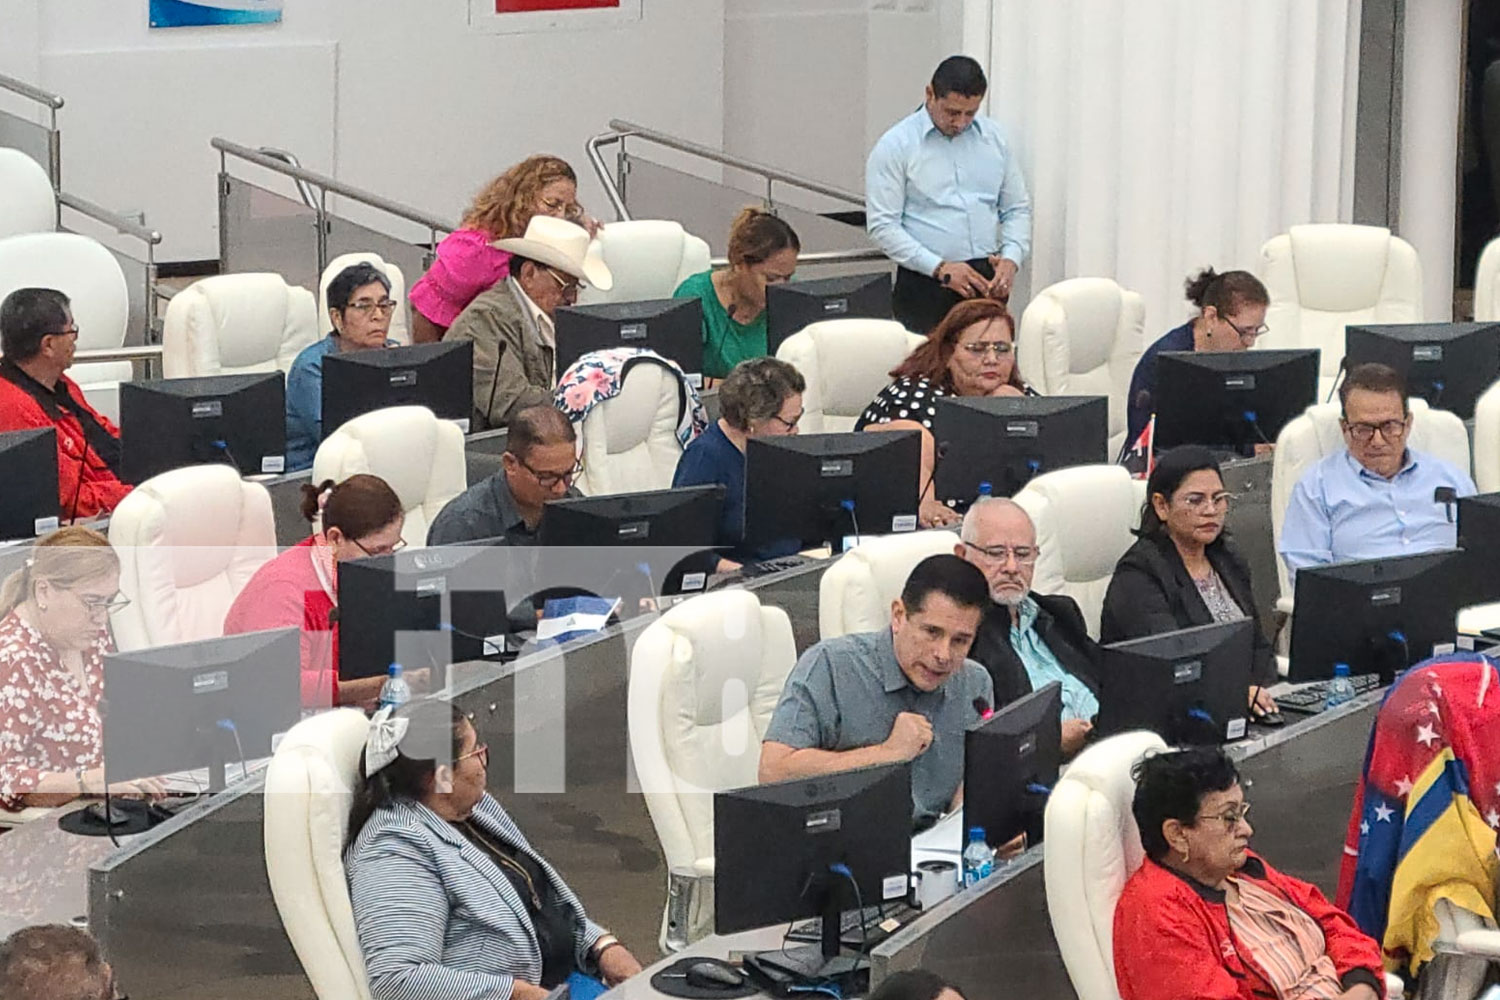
(725, 342)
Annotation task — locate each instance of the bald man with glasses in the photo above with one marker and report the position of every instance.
(1028, 640)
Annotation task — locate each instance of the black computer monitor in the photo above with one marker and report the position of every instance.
(1011, 761)
(447, 593)
(776, 847)
(672, 328)
(1188, 686)
(1377, 615)
(29, 504)
(200, 704)
(791, 306)
(687, 516)
(1447, 364)
(239, 420)
(1479, 541)
(1007, 440)
(437, 376)
(822, 488)
(1231, 399)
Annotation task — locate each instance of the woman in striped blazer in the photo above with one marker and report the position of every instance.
(450, 901)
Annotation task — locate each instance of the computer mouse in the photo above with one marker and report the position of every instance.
(1271, 719)
(108, 815)
(713, 976)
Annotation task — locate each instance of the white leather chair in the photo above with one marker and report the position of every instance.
(235, 324)
(704, 680)
(1487, 440)
(189, 540)
(400, 330)
(1323, 277)
(1487, 284)
(309, 786)
(1082, 337)
(1314, 435)
(648, 258)
(418, 455)
(1084, 517)
(856, 592)
(628, 444)
(846, 362)
(1091, 847)
(88, 274)
(27, 202)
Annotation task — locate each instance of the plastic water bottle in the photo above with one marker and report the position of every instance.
(986, 490)
(979, 860)
(1341, 688)
(395, 691)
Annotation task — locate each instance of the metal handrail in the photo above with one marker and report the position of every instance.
(330, 186)
(149, 353)
(601, 170)
(27, 90)
(770, 173)
(823, 257)
(120, 224)
(290, 159)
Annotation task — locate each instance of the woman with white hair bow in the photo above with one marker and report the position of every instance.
(450, 901)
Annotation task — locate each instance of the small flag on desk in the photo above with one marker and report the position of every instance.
(1139, 458)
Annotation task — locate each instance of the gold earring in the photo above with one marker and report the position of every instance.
(1184, 855)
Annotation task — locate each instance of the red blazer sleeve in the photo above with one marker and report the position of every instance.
(1166, 952)
(1351, 949)
(100, 491)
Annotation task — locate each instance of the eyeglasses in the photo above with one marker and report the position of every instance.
(384, 306)
(1207, 501)
(1390, 430)
(1246, 333)
(482, 752)
(568, 287)
(549, 480)
(1231, 818)
(380, 550)
(107, 605)
(71, 331)
(569, 210)
(1024, 555)
(790, 425)
(980, 348)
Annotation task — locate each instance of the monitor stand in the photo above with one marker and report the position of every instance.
(814, 963)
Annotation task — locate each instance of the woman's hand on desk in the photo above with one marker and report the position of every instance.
(1261, 701)
(937, 515)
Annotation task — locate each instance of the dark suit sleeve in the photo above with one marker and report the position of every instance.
(1135, 605)
(1262, 656)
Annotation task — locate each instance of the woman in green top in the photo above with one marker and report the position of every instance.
(762, 251)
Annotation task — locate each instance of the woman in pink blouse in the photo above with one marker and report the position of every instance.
(466, 262)
(53, 636)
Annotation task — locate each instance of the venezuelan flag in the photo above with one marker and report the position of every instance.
(1446, 852)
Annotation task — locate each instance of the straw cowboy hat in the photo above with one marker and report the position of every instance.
(563, 245)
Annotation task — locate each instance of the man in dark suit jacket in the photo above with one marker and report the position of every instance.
(1027, 640)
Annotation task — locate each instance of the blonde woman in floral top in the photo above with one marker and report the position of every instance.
(53, 636)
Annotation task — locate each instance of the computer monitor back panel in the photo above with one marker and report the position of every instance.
(803, 487)
(1008, 759)
(237, 420)
(1007, 440)
(438, 376)
(773, 844)
(1231, 399)
(1188, 686)
(683, 517)
(792, 306)
(1377, 615)
(166, 704)
(29, 501)
(1479, 540)
(1447, 364)
(672, 328)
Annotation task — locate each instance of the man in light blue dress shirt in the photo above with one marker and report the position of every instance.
(945, 199)
(1376, 497)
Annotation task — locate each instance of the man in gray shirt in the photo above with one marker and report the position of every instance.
(905, 694)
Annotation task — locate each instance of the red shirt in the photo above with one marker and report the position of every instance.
(100, 490)
(288, 592)
(1172, 939)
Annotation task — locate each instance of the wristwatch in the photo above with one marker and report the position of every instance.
(937, 272)
(606, 941)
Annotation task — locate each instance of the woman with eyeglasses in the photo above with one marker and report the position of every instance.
(1231, 316)
(1182, 570)
(450, 900)
(467, 261)
(1205, 916)
(972, 352)
(54, 634)
(763, 251)
(356, 519)
(360, 307)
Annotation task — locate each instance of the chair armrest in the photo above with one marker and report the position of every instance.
(1479, 943)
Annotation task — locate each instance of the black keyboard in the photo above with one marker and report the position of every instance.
(857, 928)
(1310, 699)
(766, 567)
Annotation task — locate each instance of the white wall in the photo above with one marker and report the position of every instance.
(397, 96)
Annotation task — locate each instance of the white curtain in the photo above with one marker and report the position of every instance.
(1159, 136)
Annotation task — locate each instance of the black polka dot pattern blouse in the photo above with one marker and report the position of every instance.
(908, 399)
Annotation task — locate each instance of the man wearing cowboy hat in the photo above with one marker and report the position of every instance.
(515, 350)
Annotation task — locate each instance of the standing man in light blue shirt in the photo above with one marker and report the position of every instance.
(1377, 497)
(945, 199)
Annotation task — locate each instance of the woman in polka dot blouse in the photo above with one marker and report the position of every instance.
(970, 353)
